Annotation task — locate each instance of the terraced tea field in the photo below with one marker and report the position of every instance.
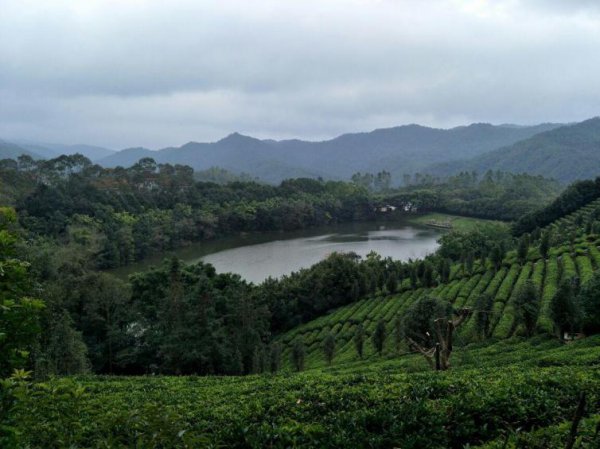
(566, 261)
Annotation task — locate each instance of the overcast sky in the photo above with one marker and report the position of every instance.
(157, 73)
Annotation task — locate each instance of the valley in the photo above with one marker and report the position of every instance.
(290, 331)
(300, 224)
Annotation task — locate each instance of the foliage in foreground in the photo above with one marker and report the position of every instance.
(535, 390)
(19, 312)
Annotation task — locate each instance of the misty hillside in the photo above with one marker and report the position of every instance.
(566, 153)
(9, 150)
(12, 150)
(400, 150)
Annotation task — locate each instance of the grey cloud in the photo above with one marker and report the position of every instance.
(161, 73)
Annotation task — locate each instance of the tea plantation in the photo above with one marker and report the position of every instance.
(575, 254)
(515, 393)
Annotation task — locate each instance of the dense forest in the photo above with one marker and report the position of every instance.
(128, 214)
(125, 215)
(495, 195)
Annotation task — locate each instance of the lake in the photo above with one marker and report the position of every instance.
(258, 256)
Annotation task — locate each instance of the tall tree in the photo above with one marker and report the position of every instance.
(275, 357)
(61, 348)
(359, 340)
(444, 270)
(469, 262)
(392, 282)
(527, 307)
(545, 243)
(298, 354)
(496, 256)
(523, 248)
(379, 336)
(563, 309)
(398, 333)
(589, 301)
(483, 315)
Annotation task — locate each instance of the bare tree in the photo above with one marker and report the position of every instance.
(438, 357)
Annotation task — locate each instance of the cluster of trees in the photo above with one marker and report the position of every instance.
(574, 197)
(380, 182)
(486, 242)
(496, 195)
(339, 279)
(576, 308)
(219, 175)
(176, 319)
(128, 214)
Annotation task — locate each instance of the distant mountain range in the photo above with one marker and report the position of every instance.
(565, 152)
(399, 150)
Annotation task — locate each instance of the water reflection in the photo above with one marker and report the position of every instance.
(256, 257)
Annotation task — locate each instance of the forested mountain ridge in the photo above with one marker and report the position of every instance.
(400, 150)
(567, 153)
(52, 150)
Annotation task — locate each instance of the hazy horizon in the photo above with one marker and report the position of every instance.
(324, 139)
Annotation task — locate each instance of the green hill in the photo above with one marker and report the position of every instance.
(574, 253)
(505, 391)
(567, 153)
(399, 150)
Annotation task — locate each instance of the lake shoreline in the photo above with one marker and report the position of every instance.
(256, 241)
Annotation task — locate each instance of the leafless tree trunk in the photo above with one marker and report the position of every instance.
(438, 357)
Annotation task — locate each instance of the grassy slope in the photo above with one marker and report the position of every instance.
(458, 222)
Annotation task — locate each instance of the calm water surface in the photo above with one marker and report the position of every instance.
(258, 256)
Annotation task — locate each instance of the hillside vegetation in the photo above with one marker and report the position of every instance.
(399, 150)
(568, 153)
(575, 254)
(512, 394)
(512, 380)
